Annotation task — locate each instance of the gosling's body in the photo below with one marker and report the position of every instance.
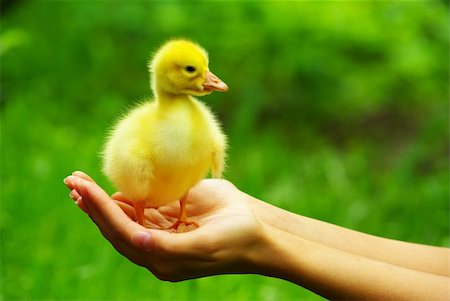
(163, 147)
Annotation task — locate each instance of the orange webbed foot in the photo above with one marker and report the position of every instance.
(182, 224)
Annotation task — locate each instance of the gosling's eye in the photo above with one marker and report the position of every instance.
(190, 69)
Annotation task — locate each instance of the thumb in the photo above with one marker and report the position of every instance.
(163, 243)
(142, 239)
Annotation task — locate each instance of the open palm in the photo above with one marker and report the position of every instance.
(224, 238)
(211, 204)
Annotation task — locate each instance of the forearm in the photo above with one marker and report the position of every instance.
(413, 256)
(336, 274)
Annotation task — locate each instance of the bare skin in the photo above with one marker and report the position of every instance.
(241, 234)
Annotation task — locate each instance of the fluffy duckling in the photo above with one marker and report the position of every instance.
(163, 147)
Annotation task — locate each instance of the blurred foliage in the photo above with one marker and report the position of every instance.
(336, 110)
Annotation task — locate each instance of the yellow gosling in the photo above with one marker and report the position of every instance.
(163, 147)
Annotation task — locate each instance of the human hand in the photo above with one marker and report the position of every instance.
(240, 234)
(228, 239)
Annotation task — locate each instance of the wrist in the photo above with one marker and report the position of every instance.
(275, 217)
(279, 254)
(275, 245)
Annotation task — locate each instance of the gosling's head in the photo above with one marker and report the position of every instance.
(181, 67)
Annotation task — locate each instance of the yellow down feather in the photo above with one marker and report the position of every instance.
(163, 147)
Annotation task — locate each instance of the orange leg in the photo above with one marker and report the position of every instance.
(182, 218)
(139, 209)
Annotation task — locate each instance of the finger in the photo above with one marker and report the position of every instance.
(83, 176)
(128, 209)
(155, 217)
(74, 195)
(112, 222)
(108, 216)
(172, 210)
(81, 205)
(119, 196)
(69, 182)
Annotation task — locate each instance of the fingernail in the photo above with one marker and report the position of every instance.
(143, 240)
(76, 182)
(68, 180)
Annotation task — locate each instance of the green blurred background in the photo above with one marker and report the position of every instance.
(336, 110)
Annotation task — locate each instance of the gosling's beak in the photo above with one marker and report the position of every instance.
(213, 83)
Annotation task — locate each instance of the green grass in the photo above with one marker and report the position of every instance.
(343, 121)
